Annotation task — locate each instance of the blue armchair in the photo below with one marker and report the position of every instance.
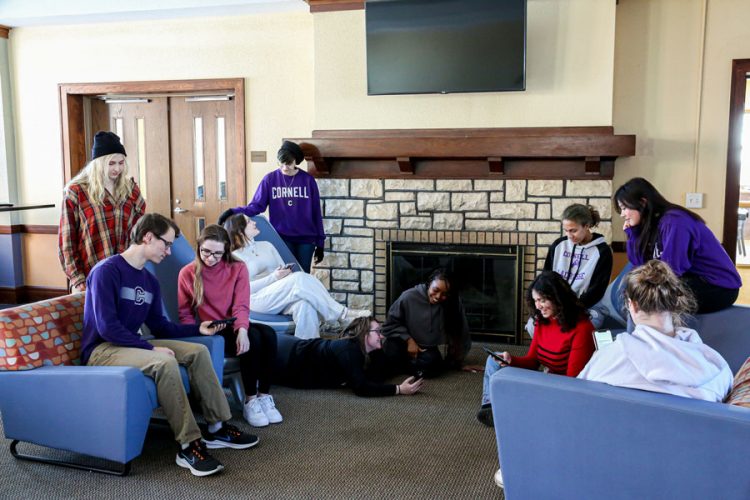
(99, 411)
(560, 437)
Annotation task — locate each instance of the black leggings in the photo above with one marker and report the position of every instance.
(710, 297)
(256, 365)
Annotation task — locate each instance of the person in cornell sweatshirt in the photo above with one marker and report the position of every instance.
(293, 202)
(121, 295)
(660, 355)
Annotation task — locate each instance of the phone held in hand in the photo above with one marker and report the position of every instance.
(602, 338)
(225, 322)
(495, 355)
(289, 265)
(417, 376)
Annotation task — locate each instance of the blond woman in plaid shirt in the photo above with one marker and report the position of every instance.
(100, 207)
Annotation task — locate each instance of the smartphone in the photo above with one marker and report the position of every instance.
(225, 321)
(495, 355)
(602, 338)
(289, 265)
(417, 376)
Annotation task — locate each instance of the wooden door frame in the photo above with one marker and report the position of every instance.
(72, 116)
(740, 70)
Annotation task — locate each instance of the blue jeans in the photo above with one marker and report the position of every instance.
(303, 252)
(490, 368)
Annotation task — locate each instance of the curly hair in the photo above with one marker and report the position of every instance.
(568, 307)
(655, 288)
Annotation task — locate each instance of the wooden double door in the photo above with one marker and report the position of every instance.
(180, 153)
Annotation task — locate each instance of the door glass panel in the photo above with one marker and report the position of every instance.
(140, 126)
(221, 157)
(198, 157)
(200, 223)
(118, 129)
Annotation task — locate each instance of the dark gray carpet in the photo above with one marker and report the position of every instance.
(332, 444)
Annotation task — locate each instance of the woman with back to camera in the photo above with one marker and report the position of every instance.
(660, 355)
(355, 360)
(563, 336)
(214, 287)
(293, 202)
(275, 289)
(658, 229)
(100, 207)
(426, 328)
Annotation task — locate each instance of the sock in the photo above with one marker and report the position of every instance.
(214, 427)
(185, 446)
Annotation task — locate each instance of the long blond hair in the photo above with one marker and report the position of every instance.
(91, 179)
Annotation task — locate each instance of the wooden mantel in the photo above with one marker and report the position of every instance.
(489, 153)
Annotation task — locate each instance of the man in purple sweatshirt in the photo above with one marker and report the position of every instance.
(293, 202)
(120, 297)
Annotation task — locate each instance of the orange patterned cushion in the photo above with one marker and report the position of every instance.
(740, 394)
(42, 333)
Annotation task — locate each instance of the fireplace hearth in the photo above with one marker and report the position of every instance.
(487, 278)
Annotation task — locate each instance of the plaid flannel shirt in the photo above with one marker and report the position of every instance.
(90, 232)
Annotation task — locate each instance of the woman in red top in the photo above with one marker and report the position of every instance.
(563, 335)
(216, 286)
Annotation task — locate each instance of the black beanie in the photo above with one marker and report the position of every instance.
(106, 143)
(293, 149)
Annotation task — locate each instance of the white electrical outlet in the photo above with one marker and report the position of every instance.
(694, 200)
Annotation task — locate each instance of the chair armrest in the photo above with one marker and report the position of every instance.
(101, 411)
(591, 440)
(215, 345)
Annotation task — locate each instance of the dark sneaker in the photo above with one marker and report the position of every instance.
(196, 458)
(484, 415)
(230, 436)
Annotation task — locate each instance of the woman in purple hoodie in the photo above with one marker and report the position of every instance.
(293, 202)
(658, 229)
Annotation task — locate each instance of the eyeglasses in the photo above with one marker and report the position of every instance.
(377, 330)
(167, 244)
(208, 253)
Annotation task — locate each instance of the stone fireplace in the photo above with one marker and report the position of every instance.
(472, 187)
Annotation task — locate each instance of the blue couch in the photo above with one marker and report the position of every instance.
(99, 411)
(561, 437)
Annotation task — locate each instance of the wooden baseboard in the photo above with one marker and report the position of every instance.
(27, 294)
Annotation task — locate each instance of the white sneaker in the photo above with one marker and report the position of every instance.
(499, 477)
(253, 413)
(269, 409)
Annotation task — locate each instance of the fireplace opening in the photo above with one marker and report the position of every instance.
(487, 277)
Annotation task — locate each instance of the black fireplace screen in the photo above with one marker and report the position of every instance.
(487, 277)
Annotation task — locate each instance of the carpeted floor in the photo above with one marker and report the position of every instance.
(331, 444)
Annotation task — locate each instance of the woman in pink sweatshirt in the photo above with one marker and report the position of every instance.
(216, 286)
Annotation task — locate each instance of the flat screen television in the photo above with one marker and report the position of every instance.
(445, 46)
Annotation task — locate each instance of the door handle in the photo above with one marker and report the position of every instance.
(179, 210)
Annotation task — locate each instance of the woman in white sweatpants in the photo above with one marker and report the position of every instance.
(275, 289)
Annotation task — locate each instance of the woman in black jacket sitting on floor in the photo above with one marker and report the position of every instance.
(355, 360)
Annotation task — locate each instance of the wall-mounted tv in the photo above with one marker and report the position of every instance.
(445, 46)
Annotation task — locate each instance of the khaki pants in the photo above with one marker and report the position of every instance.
(165, 371)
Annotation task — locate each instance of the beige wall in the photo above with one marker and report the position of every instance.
(273, 52)
(671, 89)
(41, 266)
(568, 81)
